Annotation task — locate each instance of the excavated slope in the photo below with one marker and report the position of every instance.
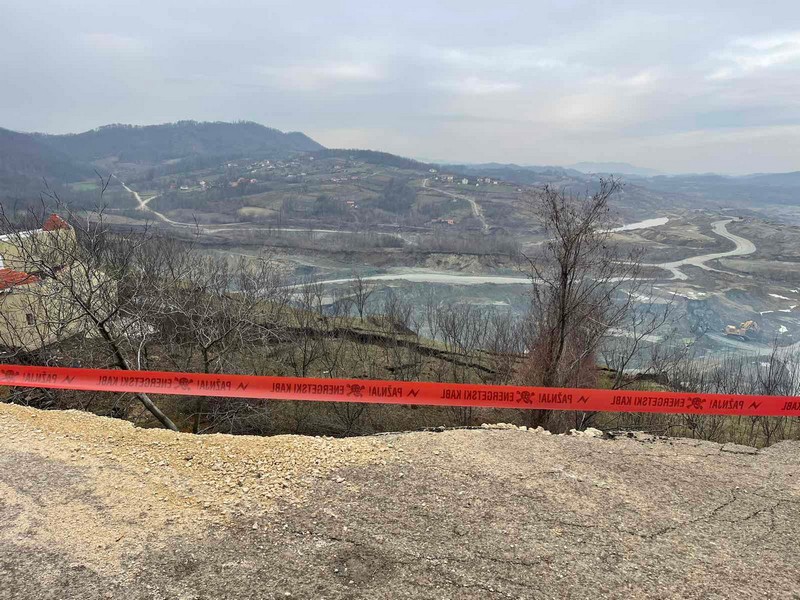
(94, 508)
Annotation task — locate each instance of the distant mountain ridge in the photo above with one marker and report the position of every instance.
(755, 190)
(155, 143)
(375, 157)
(522, 175)
(615, 168)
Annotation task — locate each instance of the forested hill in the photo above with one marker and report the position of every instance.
(374, 157)
(28, 160)
(156, 143)
(24, 157)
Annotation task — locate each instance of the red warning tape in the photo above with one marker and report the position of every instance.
(395, 392)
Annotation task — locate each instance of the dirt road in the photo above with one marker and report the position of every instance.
(93, 508)
(236, 226)
(743, 247)
(477, 211)
(143, 206)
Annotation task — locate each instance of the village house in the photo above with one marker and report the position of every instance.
(21, 256)
(34, 309)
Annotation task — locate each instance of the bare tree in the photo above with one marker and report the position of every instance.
(218, 312)
(504, 346)
(643, 326)
(334, 355)
(306, 345)
(397, 313)
(362, 289)
(570, 279)
(463, 330)
(430, 310)
(331, 330)
(578, 276)
(401, 348)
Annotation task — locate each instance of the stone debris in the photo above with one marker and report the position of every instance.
(185, 481)
(499, 426)
(738, 449)
(588, 432)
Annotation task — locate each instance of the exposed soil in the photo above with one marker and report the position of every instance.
(95, 508)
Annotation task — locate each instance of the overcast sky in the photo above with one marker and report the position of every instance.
(686, 86)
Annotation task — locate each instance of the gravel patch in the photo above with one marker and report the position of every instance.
(95, 508)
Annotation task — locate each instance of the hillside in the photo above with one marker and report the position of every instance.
(156, 143)
(165, 156)
(25, 158)
(95, 508)
(372, 157)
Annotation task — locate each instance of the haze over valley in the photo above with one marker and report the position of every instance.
(716, 247)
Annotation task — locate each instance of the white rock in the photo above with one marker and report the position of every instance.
(588, 432)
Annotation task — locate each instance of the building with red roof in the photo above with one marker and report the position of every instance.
(10, 278)
(26, 257)
(55, 222)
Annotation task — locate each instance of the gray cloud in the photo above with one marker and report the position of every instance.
(692, 86)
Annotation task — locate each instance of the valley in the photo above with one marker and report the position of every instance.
(327, 220)
(456, 233)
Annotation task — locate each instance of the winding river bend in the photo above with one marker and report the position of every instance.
(743, 248)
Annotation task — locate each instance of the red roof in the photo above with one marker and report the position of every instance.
(54, 222)
(9, 278)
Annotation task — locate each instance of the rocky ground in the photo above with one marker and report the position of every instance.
(94, 508)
